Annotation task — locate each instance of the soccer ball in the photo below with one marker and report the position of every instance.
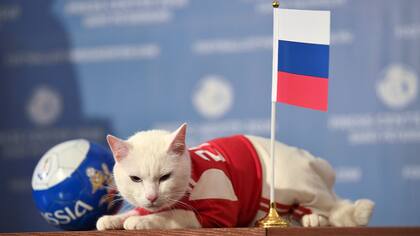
(70, 185)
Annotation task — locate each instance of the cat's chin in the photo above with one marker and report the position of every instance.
(153, 208)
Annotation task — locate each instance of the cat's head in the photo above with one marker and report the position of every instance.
(152, 168)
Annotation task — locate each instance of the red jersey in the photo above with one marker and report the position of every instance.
(226, 182)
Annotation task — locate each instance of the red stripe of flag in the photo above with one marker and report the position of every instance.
(301, 90)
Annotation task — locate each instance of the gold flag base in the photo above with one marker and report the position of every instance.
(272, 219)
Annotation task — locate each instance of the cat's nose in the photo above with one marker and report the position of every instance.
(152, 197)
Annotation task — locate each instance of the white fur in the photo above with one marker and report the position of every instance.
(308, 180)
(113, 221)
(174, 219)
(149, 159)
(346, 213)
(314, 220)
(300, 178)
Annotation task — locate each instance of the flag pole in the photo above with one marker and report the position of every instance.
(273, 219)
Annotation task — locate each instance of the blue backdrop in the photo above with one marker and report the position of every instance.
(85, 68)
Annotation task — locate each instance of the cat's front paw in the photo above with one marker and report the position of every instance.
(314, 220)
(140, 222)
(109, 222)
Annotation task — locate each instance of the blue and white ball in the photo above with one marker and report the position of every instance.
(70, 185)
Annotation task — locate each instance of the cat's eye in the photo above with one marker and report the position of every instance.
(135, 178)
(165, 177)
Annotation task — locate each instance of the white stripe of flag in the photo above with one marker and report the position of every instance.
(304, 26)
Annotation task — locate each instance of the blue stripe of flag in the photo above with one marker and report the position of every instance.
(303, 58)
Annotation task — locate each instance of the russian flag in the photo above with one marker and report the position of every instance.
(301, 58)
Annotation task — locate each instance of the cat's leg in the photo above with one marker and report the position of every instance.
(314, 208)
(323, 203)
(313, 217)
(314, 193)
(300, 178)
(347, 214)
(172, 219)
(114, 221)
(308, 181)
(338, 212)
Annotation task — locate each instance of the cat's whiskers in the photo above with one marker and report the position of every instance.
(110, 187)
(115, 201)
(178, 202)
(188, 207)
(114, 194)
(112, 198)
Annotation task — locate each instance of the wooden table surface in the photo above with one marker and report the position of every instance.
(365, 231)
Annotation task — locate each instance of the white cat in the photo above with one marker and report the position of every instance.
(222, 183)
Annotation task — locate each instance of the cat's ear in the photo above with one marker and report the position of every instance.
(178, 145)
(119, 148)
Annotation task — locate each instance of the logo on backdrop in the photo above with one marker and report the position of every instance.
(398, 87)
(213, 97)
(44, 106)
